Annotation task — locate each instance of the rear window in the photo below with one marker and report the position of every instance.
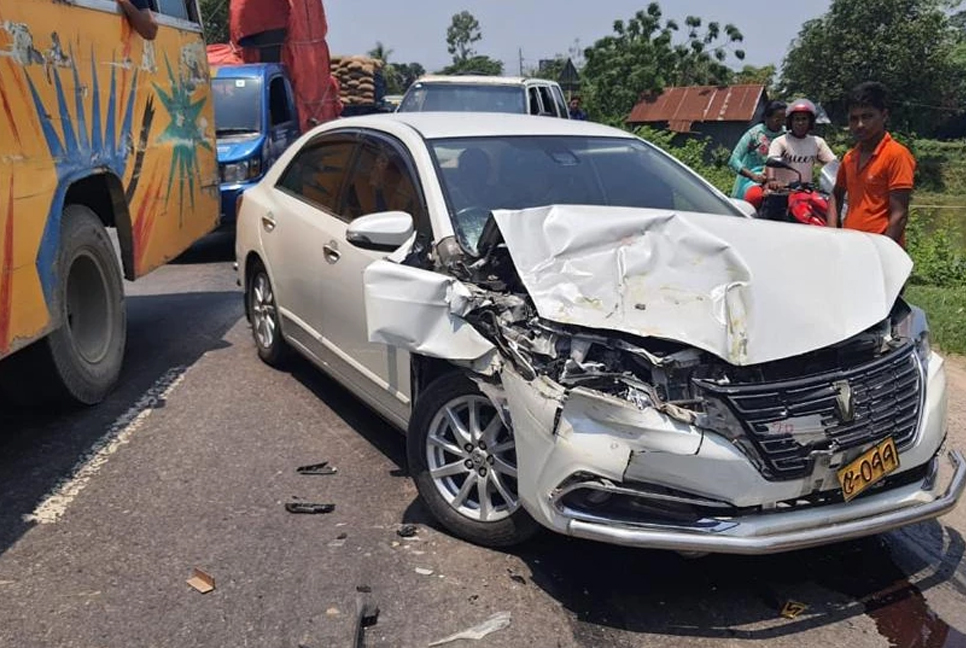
(454, 97)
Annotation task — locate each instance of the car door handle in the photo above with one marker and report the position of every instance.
(268, 222)
(331, 253)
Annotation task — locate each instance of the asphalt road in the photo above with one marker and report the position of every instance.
(105, 512)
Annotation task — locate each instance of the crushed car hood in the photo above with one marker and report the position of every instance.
(747, 291)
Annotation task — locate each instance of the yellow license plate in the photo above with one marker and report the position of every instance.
(872, 466)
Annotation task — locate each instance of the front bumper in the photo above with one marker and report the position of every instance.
(683, 488)
(788, 531)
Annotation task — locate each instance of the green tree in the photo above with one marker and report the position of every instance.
(764, 75)
(464, 30)
(909, 45)
(646, 54)
(389, 72)
(475, 64)
(407, 73)
(214, 16)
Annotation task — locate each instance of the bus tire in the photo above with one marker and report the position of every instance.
(87, 350)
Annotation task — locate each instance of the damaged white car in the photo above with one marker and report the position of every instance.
(578, 332)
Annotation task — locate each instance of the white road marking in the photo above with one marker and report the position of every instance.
(55, 504)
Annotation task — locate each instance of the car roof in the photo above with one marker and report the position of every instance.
(442, 125)
(478, 79)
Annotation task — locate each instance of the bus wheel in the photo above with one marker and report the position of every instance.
(87, 350)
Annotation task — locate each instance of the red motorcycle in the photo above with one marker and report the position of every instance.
(798, 202)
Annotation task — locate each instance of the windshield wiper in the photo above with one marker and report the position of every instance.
(234, 130)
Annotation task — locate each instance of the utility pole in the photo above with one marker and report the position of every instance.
(521, 61)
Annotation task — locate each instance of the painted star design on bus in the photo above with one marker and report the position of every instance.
(184, 132)
(76, 148)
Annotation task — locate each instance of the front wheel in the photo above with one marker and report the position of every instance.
(463, 460)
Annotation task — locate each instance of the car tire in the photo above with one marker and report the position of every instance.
(263, 310)
(79, 362)
(456, 436)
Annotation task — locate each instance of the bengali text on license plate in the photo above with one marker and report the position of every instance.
(866, 470)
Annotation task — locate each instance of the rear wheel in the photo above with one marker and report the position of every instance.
(266, 331)
(80, 361)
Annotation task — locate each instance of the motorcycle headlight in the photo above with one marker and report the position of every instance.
(913, 326)
(241, 171)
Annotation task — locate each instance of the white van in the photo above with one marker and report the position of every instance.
(438, 93)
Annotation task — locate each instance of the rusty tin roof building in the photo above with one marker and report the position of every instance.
(683, 107)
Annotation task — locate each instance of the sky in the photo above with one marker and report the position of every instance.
(415, 31)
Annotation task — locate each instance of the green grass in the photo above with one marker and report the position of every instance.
(946, 309)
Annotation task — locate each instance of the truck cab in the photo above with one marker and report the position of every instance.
(255, 121)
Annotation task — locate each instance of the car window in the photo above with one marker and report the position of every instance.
(548, 103)
(481, 174)
(382, 181)
(558, 98)
(534, 101)
(278, 101)
(317, 172)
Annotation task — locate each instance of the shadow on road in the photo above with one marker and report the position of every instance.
(608, 587)
(219, 246)
(737, 597)
(38, 451)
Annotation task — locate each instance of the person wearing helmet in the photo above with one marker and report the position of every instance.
(799, 149)
(748, 158)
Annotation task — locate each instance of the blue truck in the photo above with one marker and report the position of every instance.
(255, 121)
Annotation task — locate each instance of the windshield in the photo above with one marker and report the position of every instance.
(237, 106)
(424, 97)
(485, 173)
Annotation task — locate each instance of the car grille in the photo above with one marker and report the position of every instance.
(886, 399)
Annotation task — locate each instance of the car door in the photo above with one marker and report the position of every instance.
(383, 179)
(296, 230)
(283, 128)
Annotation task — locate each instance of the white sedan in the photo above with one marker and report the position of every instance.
(576, 331)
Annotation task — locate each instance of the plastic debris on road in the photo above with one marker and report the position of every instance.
(498, 621)
(792, 609)
(309, 508)
(201, 581)
(406, 531)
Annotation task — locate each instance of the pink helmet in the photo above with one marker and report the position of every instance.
(801, 105)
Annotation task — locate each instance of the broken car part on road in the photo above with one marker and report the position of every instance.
(670, 381)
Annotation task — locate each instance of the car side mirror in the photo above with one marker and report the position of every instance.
(382, 232)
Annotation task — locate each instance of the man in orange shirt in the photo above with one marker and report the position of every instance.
(877, 173)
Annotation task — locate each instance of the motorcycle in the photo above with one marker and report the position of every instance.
(800, 202)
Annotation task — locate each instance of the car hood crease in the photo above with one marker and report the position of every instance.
(747, 291)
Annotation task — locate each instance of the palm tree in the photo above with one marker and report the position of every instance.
(382, 53)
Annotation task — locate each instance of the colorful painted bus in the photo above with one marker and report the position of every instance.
(99, 129)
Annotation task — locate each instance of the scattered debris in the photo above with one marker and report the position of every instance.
(394, 544)
(365, 589)
(201, 581)
(792, 609)
(406, 531)
(332, 612)
(367, 614)
(498, 621)
(517, 578)
(342, 536)
(473, 598)
(424, 571)
(317, 469)
(307, 507)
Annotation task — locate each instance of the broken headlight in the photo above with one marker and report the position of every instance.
(914, 327)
